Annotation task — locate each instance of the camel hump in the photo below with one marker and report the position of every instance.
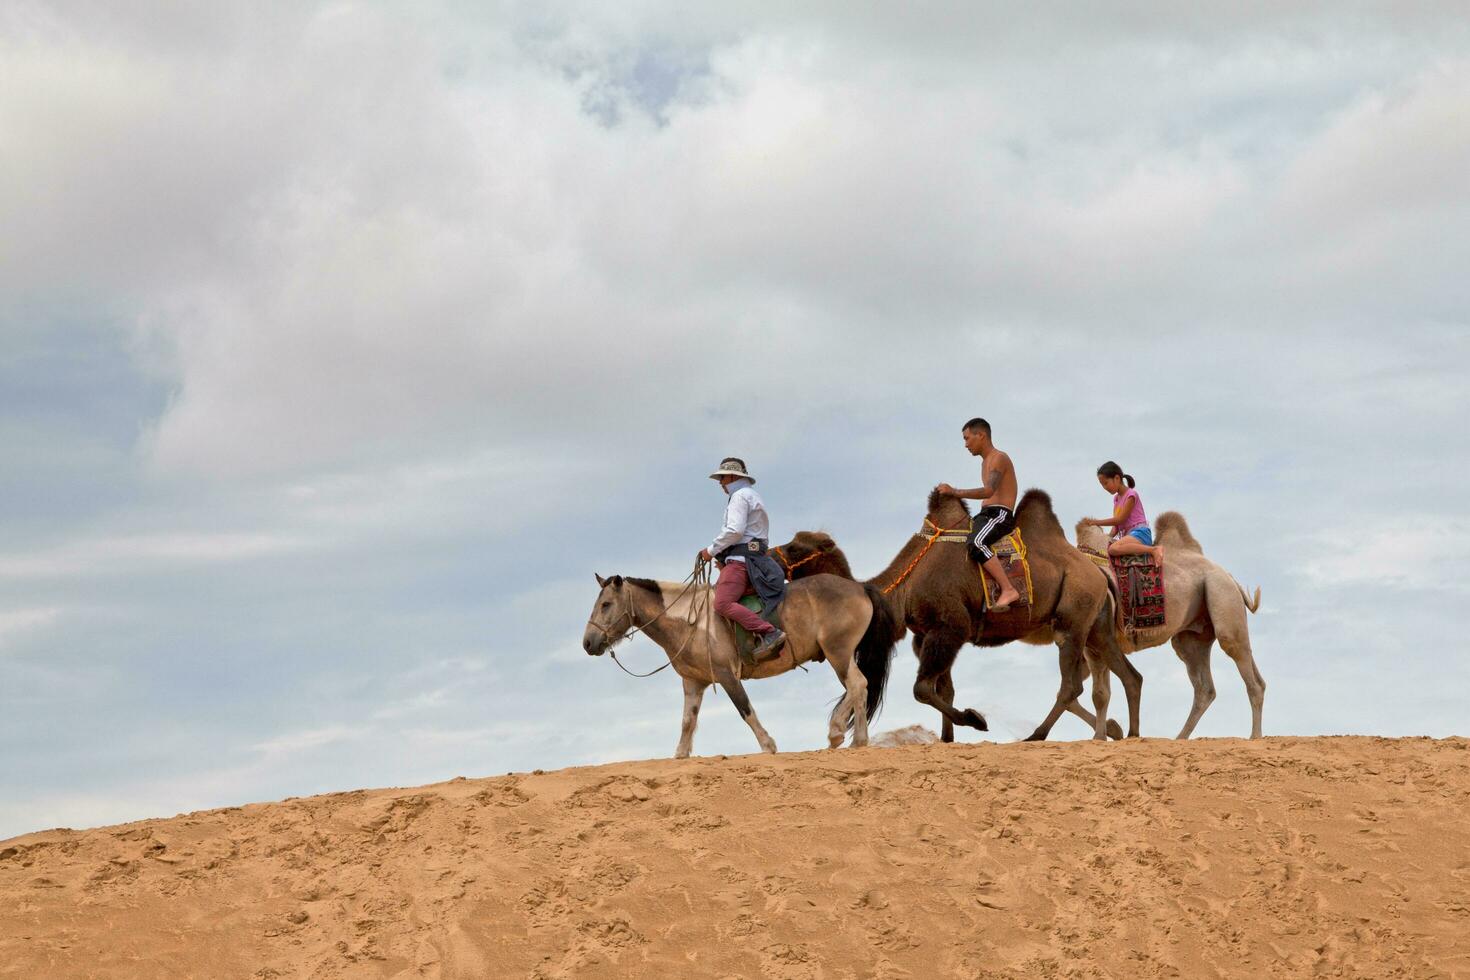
(1035, 513)
(1172, 526)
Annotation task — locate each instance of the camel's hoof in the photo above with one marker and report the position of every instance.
(974, 719)
(1115, 730)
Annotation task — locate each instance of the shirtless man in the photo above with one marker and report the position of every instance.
(997, 516)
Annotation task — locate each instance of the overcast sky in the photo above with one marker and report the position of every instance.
(343, 343)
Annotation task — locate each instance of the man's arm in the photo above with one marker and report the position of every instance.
(995, 476)
(993, 479)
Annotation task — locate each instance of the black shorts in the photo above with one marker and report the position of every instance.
(988, 527)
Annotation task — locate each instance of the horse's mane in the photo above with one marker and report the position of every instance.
(1172, 524)
(644, 583)
(1035, 513)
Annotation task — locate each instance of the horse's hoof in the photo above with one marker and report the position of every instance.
(947, 737)
(974, 719)
(1115, 730)
(1036, 736)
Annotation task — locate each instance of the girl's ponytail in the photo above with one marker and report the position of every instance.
(1111, 469)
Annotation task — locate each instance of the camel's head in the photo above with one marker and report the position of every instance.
(810, 553)
(611, 619)
(947, 510)
(1092, 537)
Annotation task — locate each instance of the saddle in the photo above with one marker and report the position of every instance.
(1011, 550)
(745, 640)
(1138, 582)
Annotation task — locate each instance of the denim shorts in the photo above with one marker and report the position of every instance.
(1142, 534)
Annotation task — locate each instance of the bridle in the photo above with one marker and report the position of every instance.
(698, 577)
(793, 566)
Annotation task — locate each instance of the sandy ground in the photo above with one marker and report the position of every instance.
(1318, 857)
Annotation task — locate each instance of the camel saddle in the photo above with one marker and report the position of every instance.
(1011, 550)
(1138, 584)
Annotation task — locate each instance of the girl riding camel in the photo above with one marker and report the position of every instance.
(1131, 535)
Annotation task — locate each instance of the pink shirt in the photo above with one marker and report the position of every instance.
(1135, 516)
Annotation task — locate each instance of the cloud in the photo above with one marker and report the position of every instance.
(344, 341)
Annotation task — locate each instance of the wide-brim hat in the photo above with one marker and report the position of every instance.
(732, 466)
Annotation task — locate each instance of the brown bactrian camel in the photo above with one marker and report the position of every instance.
(938, 591)
(1202, 603)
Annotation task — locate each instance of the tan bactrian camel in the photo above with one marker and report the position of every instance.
(1202, 603)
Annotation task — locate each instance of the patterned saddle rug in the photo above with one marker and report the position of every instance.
(1140, 583)
(1011, 550)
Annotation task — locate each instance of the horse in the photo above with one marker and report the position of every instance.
(825, 617)
(1202, 603)
(937, 591)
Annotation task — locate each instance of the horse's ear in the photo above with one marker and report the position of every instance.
(617, 581)
(602, 582)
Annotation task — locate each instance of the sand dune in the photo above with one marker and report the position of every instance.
(1283, 857)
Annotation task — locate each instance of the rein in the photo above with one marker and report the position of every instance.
(699, 580)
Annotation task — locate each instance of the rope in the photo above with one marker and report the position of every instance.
(793, 566)
(697, 578)
(938, 531)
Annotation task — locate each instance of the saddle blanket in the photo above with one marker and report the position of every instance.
(1140, 592)
(1011, 550)
(745, 640)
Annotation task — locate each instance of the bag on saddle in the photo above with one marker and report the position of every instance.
(1140, 592)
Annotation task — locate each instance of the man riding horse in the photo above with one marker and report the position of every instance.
(745, 568)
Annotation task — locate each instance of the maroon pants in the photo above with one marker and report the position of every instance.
(732, 585)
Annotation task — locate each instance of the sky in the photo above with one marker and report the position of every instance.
(342, 343)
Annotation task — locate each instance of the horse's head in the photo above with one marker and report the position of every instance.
(1090, 537)
(611, 619)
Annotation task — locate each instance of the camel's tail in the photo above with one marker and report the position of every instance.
(1250, 603)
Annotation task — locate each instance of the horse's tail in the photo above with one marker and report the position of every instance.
(1250, 603)
(875, 649)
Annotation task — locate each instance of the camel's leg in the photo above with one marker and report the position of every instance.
(730, 681)
(944, 685)
(1255, 687)
(1227, 615)
(1101, 687)
(935, 659)
(693, 696)
(1194, 650)
(1071, 667)
(1132, 686)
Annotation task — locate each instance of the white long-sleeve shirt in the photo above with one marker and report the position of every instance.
(745, 520)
